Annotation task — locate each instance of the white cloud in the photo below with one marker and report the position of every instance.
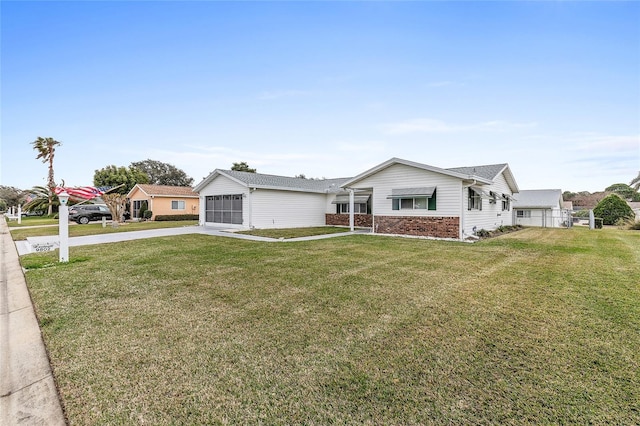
(361, 147)
(429, 125)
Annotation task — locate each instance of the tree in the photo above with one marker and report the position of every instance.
(163, 173)
(635, 183)
(117, 204)
(46, 148)
(612, 208)
(39, 200)
(10, 195)
(622, 189)
(114, 176)
(242, 167)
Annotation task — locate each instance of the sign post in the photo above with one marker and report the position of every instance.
(63, 226)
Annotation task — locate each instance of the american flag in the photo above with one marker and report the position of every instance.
(84, 192)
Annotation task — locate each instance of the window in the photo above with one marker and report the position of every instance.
(417, 203)
(475, 200)
(224, 209)
(420, 198)
(506, 205)
(177, 205)
(359, 208)
(521, 214)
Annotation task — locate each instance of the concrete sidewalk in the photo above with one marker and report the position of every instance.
(28, 393)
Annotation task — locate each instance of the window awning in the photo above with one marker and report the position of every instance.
(426, 191)
(357, 199)
(482, 193)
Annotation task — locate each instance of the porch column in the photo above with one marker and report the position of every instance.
(351, 208)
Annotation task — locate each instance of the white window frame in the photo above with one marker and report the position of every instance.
(523, 214)
(358, 208)
(475, 200)
(184, 205)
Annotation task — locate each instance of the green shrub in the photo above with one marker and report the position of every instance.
(584, 213)
(611, 208)
(169, 217)
(597, 222)
(147, 214)
(483, 233)
(143, 209)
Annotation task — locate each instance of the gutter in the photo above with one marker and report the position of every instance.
(462, 208)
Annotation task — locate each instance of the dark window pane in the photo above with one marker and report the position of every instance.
(236, 218)
(406, 203)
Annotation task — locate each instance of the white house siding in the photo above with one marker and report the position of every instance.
(401, 176)
(221, 185)
(546, 218)
(491, 216)
(287, 209)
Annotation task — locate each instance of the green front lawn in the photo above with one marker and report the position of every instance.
(32, 221)
(538, 326)
(95, 228)
(295, 232)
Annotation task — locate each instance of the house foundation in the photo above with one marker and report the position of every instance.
(437, 227)
(359, 220)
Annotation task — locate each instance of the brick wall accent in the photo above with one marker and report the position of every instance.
(439, 227)
(359, 220)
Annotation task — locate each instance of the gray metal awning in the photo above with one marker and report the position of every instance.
(482, 193)
(357, 199)
(425, 191)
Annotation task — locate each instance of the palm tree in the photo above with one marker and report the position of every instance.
(635, 183)
(46, 148)
(39, 199)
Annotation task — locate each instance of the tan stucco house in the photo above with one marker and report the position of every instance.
(163, 200)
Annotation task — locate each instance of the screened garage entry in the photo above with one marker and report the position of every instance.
(224, 209)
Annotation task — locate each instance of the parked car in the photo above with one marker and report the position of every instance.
(33, 213)
(85, 213)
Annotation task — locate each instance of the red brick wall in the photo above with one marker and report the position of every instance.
(359, 220)
(439, 227)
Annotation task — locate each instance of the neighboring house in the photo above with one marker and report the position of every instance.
(541, 207)
(395, 197)
(163, 200)
(246, 200)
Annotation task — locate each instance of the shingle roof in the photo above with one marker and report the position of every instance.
(167, 191)
(488, 172)
(540, 198)
(260, 180)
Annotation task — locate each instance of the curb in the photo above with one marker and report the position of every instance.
(28, 394)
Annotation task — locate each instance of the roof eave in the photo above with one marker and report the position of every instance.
(421, 166)
(217, 172)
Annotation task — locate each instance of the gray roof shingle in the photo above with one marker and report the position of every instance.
(487, 172)
(260, 180)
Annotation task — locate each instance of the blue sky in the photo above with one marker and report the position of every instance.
(326, 89)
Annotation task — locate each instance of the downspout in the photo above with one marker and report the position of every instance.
(351, 208)
(250, 207)
(462, 209)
